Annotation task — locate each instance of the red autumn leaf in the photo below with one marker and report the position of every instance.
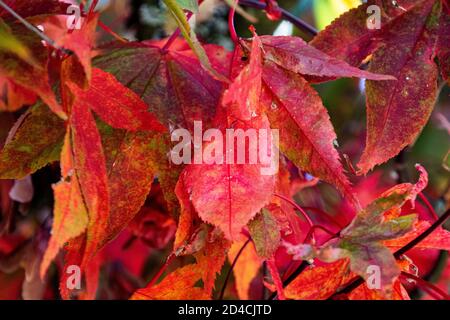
(16, 96)
(90, 167)
(348, 38)
(411, 35)
(23, 74)
(172, 83)
(439, 239)
(79, 41)
(104, 218)
(397, 111)
(294, 54)
(219, 192)
(306, 133)
(244, 92)
(125, 111)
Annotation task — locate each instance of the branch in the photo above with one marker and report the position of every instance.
(286, 15)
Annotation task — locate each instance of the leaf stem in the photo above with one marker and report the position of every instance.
(225, 282)
(161, 271)
(231, 28)
(286, 15)
(296, 206)
(428, 205)
(426, 285)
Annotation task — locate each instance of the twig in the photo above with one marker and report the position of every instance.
(161, 271)
(286, 15)
(428, 205)
(296, 206)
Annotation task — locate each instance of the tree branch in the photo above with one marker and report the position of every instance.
(286, 15)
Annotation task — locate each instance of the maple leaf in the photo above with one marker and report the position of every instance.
(306, 133)
(172, 83)
(364, 293)
(244, 92)
(404, 47)
(294, 54)
(125, 111)
(362, 241)
(278, 283)
(90, 167)
(12, 44)
(132, 161)
(211, 259)
(181, 284)
(74, 255)
(219, 192)
(180, 18)
(79, 41)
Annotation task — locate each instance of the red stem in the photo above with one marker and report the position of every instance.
(313, 228)
(108, 30)
(296, 206)
(161, 271)
(231, 28)
(92, 8)
(426, 285)
(428, 205)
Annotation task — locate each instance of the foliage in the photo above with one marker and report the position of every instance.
(87, 133)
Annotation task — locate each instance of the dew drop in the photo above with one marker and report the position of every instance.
(336, 143)
(274, 106)
(408, 78)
